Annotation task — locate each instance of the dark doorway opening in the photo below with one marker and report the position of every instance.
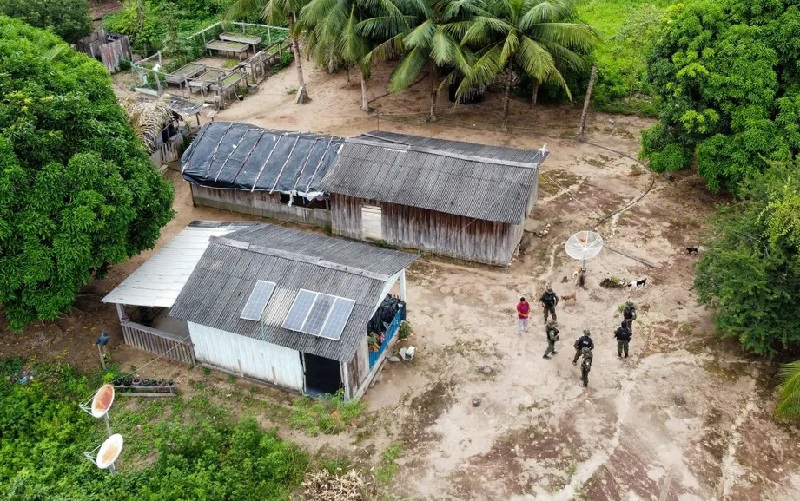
(322, 375)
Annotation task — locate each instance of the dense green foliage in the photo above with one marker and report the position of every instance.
(68, 19)
(148, 23)
(727, 77)
(200, 452)
(626, 28)
(77, 190)
(750, 273)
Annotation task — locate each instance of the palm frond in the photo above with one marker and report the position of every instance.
(407, 69)
(546, 11)
(534, 60)
(789, 398)
(421, 36)
(242, 9)
(510, 47)
(482, 72)
(443, 48)
(352, 47)
(571, 35)
(386, 50)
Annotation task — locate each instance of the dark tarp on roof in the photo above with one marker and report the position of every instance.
(221, 284)
(246, 157)
(483, 182)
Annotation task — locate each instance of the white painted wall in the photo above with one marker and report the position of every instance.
(240, 354)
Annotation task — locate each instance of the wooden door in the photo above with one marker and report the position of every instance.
(371, 222)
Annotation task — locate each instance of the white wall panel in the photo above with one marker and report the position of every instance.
(240, 354)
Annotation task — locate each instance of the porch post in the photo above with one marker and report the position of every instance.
(403, 285)
(120, 312)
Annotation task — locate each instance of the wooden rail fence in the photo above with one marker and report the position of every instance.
(158, 342)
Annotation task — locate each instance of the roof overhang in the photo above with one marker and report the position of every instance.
(159, 280)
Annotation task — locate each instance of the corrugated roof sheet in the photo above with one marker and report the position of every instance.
(484, 182)
(226, 274)
(159, 280)
(246, 157)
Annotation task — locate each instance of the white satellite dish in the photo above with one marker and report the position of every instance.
(102, 401)
(109, 452)
(584, 245)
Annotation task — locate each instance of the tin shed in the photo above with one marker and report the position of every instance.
(464, 200)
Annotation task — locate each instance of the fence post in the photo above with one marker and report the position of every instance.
(269, 36)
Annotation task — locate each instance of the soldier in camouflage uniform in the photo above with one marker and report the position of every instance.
(551, 331)
(629, 314)
(623, 336)
(549, 301)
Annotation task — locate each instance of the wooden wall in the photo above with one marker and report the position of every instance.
(259, 203)
(110, 53)
(357, 370)
(437, 232)
(158, 342)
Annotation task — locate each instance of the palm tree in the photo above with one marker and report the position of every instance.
(789, 398)
(534, 37)
(277, 12)
(434, 42)
(348, 30)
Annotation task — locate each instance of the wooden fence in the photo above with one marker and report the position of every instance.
(158, 342)
(109, 48)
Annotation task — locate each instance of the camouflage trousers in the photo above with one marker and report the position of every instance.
(622, 346)
(551, 347)
(552, 311)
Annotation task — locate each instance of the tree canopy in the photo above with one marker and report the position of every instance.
(77, 190)
(68, 19)
(750, 273)
(727, 77)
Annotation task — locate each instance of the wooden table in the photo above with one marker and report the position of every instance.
(230, 36)
(205, 80)
(224, 46)
(185, 72)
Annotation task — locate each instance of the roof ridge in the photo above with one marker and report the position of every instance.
(294, 256)
(442, 153)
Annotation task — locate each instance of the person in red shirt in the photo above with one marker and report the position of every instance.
(523, 310)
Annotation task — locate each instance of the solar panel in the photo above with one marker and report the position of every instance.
(258, 300)
(337, 318)
(299, 310)
(318, 314)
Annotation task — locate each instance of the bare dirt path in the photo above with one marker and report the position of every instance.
(686, 417)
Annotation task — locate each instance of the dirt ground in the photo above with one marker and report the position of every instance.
(686, 417)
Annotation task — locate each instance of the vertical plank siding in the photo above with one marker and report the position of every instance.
(249, 357)
(455, 236)
(158, 342)
(98, 46)
(259, 203)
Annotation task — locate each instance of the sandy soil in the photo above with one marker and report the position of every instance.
(687, 417)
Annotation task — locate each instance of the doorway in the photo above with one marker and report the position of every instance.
(323, 375)
(371, 222)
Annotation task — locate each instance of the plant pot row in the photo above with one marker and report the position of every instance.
(143, 382)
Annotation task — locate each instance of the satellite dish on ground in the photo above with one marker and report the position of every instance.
(102, 401)
(109, 451)
(584, 245)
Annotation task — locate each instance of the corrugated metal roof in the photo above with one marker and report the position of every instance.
(226, 274)
(246, 157)
(336, 250)
(458, 147)
(484, 182)
(159, 280)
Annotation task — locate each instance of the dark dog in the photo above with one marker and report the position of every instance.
(638, 283)
(692, 250)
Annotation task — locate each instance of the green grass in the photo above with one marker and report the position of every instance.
(385, 471)
(330, 415)
(625, 27)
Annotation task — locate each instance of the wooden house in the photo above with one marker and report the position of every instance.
(457, 199)
(278, 305)
(244, 168)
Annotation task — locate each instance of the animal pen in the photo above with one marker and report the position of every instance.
(216, 86)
